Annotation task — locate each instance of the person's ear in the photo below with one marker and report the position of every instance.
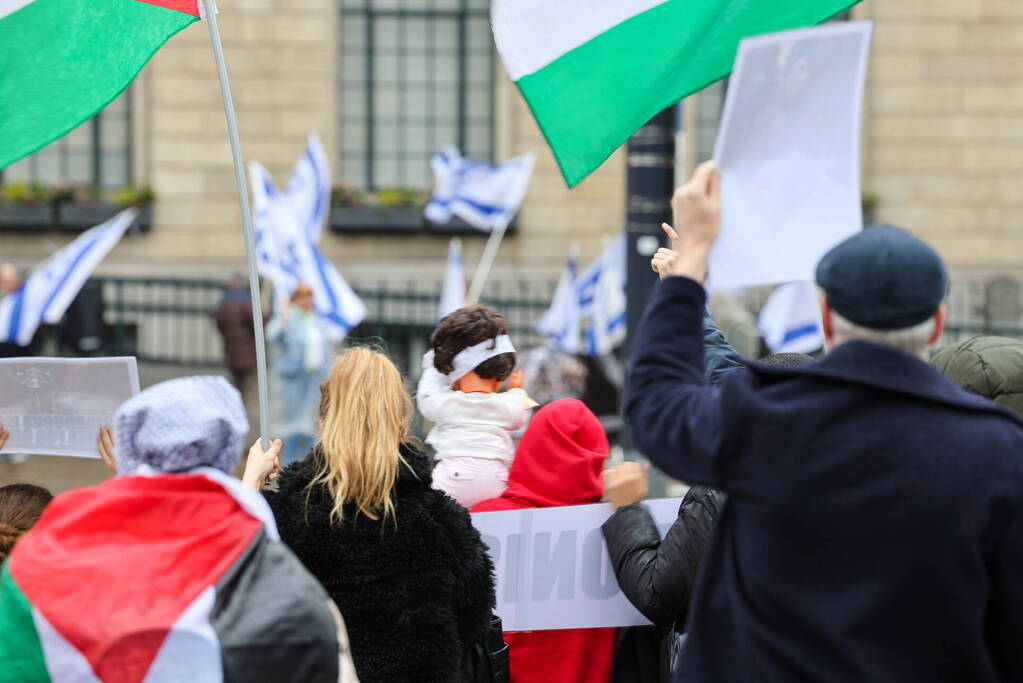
(939, 324)
(826, 326)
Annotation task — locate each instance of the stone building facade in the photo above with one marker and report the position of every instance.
(942, 150)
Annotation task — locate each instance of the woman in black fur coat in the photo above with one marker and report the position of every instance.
(401, 560)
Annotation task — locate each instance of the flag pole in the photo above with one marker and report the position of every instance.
(250, 235)
(487, 260)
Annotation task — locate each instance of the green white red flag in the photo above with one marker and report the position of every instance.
(62, 61)
(595, 71)
(161, 579)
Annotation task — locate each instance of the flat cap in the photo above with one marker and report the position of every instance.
(883, 278)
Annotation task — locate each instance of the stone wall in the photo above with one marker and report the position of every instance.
(943, 146)
(943, 143)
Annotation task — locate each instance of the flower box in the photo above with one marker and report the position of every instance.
(26, 217)
(65, 217)
(370, 220)
(405, 221)
(81, 217)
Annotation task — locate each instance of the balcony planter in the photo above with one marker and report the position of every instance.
(368, 220)
(80, 217)
(406, 221)
(24, 217)
(459, 228)
(65, 217)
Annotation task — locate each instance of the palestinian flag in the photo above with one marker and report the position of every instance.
(595, 71)
(61, 61)
(160, 579)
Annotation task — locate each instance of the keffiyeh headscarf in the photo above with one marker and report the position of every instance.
(179, 425)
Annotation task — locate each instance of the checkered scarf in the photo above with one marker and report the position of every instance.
(179, 425)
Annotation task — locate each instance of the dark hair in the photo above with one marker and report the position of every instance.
(786, 360)
(467, 327)
(20, 507)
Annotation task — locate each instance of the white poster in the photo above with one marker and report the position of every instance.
(553, 570)
(55, 406)
(789, 152)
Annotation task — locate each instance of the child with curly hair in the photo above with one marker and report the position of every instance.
(471, 357)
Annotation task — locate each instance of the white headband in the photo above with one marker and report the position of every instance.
(470, 358)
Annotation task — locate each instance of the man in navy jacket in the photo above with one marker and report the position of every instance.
(874, 530)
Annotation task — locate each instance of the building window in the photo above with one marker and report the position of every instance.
(95, 154)
(416, 76)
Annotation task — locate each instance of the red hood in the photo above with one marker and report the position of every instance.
(558, 462)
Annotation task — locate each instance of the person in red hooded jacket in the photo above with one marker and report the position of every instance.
(559, 462)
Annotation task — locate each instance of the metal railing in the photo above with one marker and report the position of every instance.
(170, 321)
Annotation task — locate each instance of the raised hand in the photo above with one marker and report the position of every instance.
(626, 483)
(697, 209)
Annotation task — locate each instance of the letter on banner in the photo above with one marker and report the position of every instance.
(553, 569)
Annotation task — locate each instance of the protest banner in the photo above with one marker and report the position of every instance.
(789, 152)
(553, 569)
(55, 406)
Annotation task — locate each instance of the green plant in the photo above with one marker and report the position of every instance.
(346, 194)
(398, 198)
(17, 193)
(135, 196)
(20, 192)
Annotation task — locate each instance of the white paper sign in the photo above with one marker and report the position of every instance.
(789, 152)
(55, 406)
(553, 570)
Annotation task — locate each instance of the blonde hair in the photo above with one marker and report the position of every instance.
(364, 416)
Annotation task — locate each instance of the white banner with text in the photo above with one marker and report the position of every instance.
(553, 569)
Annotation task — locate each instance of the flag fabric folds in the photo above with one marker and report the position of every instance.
(561, 322)
(485, 196)
(602, 300)
(53, 285)
(791, 319)
(162, 579)
(594, 71)
(61, 61)
(452, 296)
(308, 190)
(288, 225)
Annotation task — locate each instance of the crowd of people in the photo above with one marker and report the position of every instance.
(853, 518)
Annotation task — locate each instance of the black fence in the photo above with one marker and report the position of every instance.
(170, 320)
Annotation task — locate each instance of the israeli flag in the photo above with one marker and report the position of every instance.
(561, 323)
(53, 285)
(486, 196)
(790, 321)
(287, 255)
(453, 295)
(308, 190)
(602, 300)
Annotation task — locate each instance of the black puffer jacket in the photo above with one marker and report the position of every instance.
(658, 576)
(412, 593)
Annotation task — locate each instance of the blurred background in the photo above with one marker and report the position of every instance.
(387, 84)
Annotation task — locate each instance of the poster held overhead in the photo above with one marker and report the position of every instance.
(789, 152)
